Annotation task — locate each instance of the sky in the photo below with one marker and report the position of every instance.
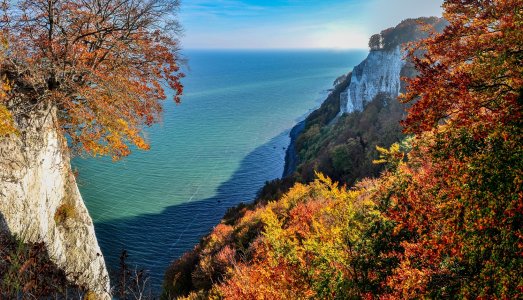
(293, 24)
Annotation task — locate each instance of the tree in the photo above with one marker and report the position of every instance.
(310, 246)
(471, 72)
(103, 64)
(456, 202)
(375, 42)
(444, 220)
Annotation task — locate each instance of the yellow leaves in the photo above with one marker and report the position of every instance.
(3, 47)
(111, 137)
(3, 42)
(305, 245)
(395, 155)
(219, 235)
(388, 155)
(313, 226)
(325, 180)
(5, 87)
(7, 125)
(64, 212)
(90, 296)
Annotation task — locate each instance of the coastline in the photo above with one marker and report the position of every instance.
(327, 113)
(291, 157)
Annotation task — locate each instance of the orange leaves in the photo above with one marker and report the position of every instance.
(304, 246)
(7, 125)
(256, 281)
(304, 251)
(471, 70)
(108, 61)
(450, 200)
(445, 222)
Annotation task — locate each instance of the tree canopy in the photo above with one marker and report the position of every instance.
(104, 64)
(472, 72)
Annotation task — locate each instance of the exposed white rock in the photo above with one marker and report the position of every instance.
(35, 181)
(379, 73)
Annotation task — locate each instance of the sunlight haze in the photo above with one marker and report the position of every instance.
(293, 24)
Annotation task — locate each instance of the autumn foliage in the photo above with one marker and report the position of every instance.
(461, 200)
(103, 64)
(470, 75)
(444, 220)
(27, 271)
(6, 119)
(301, 246)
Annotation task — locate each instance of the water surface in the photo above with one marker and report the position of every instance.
(213, 151)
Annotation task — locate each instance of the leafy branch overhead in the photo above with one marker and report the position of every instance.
(104, 64)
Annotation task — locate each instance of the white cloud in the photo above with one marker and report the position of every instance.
(344, 24)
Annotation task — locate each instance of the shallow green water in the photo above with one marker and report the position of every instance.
(213, 151)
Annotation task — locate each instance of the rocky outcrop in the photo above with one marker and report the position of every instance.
(40, 201)
(379, 73)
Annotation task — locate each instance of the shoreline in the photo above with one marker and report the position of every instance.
(291, 157)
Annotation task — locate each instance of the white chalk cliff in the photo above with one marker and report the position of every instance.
(35, 181)
(379, 73)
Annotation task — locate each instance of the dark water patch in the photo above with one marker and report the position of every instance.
(154, 240)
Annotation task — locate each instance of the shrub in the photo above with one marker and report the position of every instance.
(27, 272)
(64, 212)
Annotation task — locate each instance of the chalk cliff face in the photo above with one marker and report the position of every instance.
(379, 73)
(40, 201)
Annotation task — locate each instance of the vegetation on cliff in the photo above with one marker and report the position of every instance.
(103, 64)
(345, 150)
(26, 270)
(444, 218)
(406, 32)
(87, 75)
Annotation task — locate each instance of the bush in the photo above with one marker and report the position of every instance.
(64, 212)
(26, 271)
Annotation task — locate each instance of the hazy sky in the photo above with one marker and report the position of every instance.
(259, 24)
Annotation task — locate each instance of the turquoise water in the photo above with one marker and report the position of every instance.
(212, 152)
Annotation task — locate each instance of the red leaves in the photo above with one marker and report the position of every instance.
(469, 71)
(452, 197)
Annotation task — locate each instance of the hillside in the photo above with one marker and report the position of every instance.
(442, 219)
(342, 144)
(345, 150)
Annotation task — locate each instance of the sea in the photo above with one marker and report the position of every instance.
(213, 151)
